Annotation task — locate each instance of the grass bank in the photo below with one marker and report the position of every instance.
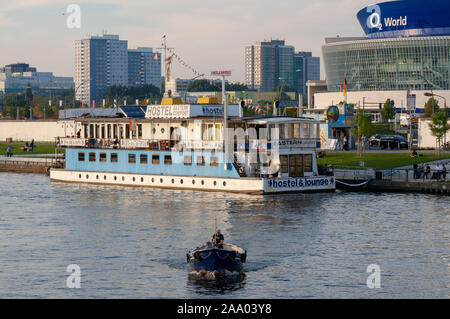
(378, 160)
(40, 148)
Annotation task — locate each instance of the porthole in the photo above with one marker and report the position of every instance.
(181, 181)
(173, 181)
(203, 182)
(134, 179)
(87, 176)
(161, 180)
(79, 176)
(193, 182)
(115, 178)
(153, 180)
(224, 183)
(104, 177)
(96, 177)
(123, 178)
(162, 130)
(215, 183)
(142, 179)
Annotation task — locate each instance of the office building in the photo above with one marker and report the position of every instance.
(271, 63)
(15, 78)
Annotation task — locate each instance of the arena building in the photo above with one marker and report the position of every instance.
(406, 49)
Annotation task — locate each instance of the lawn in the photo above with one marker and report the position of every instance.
(40, 148)
(377, 160)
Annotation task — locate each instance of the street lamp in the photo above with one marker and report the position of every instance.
(433, 95)
(76, 90)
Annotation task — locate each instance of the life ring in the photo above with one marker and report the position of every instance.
(241, 170)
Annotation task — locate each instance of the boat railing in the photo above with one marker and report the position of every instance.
(145, 144)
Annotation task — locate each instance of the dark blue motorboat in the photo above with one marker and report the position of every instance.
(217, 261)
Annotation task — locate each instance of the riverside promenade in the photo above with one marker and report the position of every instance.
(401, 179)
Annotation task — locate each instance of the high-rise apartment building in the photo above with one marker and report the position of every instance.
(144, 67)
(306, 68)
(100, 61)
(271, 63)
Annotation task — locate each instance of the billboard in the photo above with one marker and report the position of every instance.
(406, 18)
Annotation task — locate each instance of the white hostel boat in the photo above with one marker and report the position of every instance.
(183, 146)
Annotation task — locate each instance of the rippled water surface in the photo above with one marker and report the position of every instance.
(132, 242)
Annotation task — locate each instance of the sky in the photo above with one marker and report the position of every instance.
(207, 34)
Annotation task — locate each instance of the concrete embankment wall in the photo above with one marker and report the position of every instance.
(39, 130)
(28, 165)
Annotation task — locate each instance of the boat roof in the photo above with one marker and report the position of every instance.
(277, 119)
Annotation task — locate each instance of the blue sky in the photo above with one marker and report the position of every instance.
(207, 34)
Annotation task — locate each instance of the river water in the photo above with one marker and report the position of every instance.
(132, 242)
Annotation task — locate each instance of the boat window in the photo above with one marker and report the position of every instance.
(144, 159)
(132, 158)
(200, 161)
(214, 161)
(284, 164)
(282, 132)
(81, 157)
(306, 130)
(296, 165)
(139, 127)
(307, 162)
(167, 159)
(290, 127)
(127, 130)
(102, 157)
(296, 131)
(155, 159)
(114, 158)
(187, 160)
(91, 157)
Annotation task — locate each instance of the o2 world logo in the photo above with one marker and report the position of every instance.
(374, 20)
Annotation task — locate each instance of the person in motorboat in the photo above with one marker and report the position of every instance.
(217, 239)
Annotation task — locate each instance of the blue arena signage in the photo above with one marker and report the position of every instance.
(406, 18)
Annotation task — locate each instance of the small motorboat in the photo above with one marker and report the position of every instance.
(210, 261)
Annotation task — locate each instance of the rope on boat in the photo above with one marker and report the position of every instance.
(353, 185)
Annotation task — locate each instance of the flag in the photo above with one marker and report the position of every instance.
(345, 87)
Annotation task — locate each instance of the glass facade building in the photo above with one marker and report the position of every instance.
(418, 63)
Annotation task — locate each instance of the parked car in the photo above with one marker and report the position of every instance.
(388, 141)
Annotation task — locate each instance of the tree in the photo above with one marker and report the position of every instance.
(431, 107)
(235, 87)
(388, 111)
(363, 128)
(439, 127)
(202, 85)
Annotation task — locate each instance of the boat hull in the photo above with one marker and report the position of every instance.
(244, 185)
(218, 261)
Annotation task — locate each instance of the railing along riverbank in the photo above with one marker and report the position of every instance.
(30, 164)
